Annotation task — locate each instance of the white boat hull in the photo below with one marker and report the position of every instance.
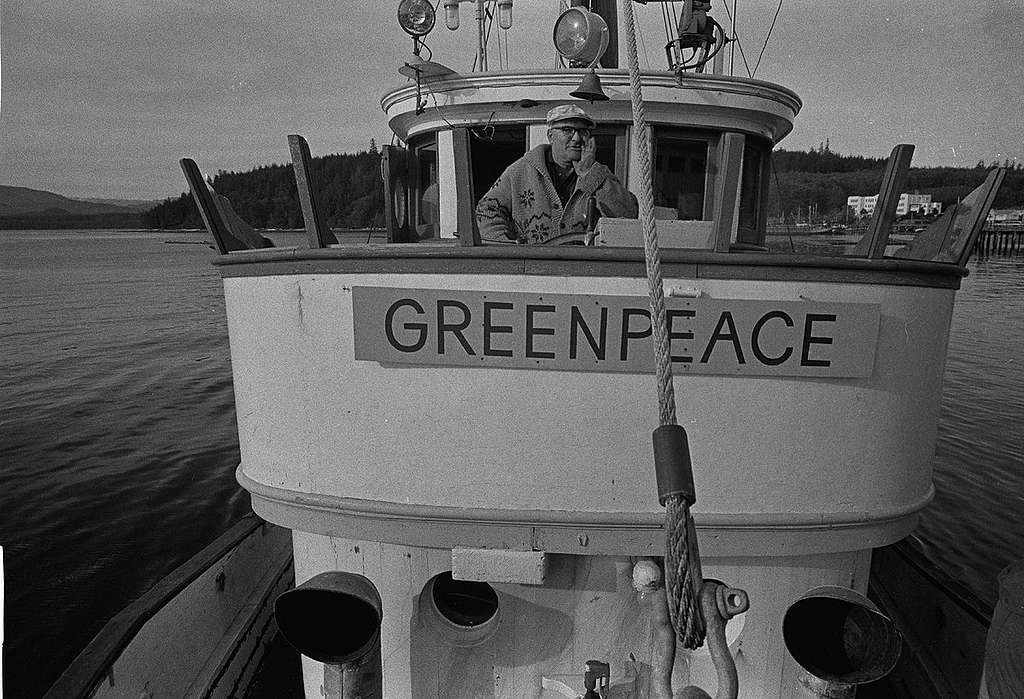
(383, 469)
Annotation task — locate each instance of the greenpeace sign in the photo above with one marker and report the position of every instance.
(567, 332)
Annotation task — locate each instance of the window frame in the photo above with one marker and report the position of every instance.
(710, 138)
(426, 143)
(754, 235)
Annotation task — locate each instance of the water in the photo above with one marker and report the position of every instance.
(974, 527)
(118, 444)
(117, 434)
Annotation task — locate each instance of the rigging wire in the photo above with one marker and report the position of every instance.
(481, 54)
(666, 23)
(782, 201)
(766, 38)
(504, 33)
(732, 57)
(736, 40)
(489, 12)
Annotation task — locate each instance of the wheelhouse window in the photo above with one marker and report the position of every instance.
(427, 201)
(492, 149)
(411, 197)
(752, 224)
(612, 150)
(681, 175)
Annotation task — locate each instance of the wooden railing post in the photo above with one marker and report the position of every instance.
(465, 216)
(727, 189)
(954, 236)
(872, 245)
(317, 232)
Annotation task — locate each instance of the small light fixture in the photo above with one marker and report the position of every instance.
(505, 14)
(416, 17)
(580, 37)
(451, 14)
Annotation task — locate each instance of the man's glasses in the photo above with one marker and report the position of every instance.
(568, 131)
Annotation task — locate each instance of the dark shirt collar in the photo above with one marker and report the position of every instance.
(554, 167)
(564, 180)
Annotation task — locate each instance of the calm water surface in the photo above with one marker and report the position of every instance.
(118, 443)
(117, 434)
(975, 526)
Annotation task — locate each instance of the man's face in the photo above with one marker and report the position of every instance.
(567, 140)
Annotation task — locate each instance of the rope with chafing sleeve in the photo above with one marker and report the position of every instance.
(683, 578)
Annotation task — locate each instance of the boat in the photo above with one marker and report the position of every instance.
(458, 435)
(202, 631)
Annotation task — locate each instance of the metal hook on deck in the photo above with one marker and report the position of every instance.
(718, 603)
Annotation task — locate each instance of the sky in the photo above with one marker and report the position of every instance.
(101, 98)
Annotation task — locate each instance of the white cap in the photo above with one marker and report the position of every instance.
(565, 112)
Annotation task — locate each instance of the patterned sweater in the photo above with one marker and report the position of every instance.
(523, 206)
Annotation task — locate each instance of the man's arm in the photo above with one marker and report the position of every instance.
(494, 212)
(613, 200)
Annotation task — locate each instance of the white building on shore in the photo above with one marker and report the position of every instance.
(909, 203)
(1006, 217)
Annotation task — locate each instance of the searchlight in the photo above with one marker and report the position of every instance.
(416, 17)
(580, 37)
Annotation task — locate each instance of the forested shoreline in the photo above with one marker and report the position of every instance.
(820, 181)
(802, 185)
(348, 188)
(350, 191)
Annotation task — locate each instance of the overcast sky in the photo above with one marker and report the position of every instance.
(101, 98)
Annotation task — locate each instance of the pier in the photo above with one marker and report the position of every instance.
(1000, 239)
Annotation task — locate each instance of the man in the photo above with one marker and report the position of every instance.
(547, 193)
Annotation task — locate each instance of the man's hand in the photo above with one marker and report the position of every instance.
(588, 158)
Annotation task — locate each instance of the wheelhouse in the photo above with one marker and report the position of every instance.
(710, 141)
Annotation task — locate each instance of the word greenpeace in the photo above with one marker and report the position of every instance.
(565, 332)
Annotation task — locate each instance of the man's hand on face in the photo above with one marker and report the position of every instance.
(588, 157)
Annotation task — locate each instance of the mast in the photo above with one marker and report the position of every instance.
(481, 26)
(609, 13)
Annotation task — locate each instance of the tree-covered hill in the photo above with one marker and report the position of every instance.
(820, 180)
(348, 188)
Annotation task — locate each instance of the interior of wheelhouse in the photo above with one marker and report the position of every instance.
(685, 169)
(715, 179)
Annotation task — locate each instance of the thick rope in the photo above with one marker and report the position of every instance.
(682, 560)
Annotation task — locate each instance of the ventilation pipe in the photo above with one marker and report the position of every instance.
(334, 618)
(460, 613)
(841, 640)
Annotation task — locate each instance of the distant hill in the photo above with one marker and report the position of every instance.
(24, 208)
(132, 204)
(22, 200)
